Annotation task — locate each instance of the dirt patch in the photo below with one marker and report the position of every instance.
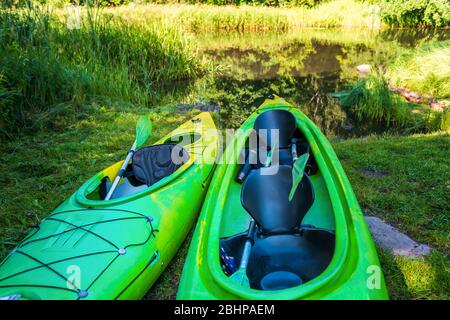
(372, 173)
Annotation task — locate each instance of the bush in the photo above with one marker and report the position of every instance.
(409, 13)
(270, 3)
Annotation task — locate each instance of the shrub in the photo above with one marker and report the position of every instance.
(408, 13)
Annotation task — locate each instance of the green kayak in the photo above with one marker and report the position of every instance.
(89, 248)
(280, 221)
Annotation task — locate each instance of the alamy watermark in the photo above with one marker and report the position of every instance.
(374, 274)
(74, 277)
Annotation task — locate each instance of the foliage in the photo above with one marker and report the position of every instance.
(112, 3)
(410, 13)
(270, 3)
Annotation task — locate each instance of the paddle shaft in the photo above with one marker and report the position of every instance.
(294, 150)
(121, 172)
(247, 247)
(243, 173)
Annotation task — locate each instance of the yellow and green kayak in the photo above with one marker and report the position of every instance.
(268, 235)
(90, 248)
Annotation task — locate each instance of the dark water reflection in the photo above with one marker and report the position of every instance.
(304, 67)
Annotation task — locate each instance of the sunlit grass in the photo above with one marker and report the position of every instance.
(416, 278)
(370, 100)
(425, 69)
(412, 194)
(337, 13)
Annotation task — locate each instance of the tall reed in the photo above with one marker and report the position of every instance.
(425, 69)
(337, 13)
(371, 101)
(47, 68)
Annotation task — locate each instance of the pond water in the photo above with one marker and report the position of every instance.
(304, 67)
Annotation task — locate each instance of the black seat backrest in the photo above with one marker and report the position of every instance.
(151, 164)
(282, 120)
(266, 199)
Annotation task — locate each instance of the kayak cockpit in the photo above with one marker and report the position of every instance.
(149, 165)
(290, 239)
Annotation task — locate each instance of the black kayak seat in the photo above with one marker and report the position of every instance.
(266, 199)
(153, 163)
(282, 120)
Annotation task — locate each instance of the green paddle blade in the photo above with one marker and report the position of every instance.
(297, 173)
(240, 278)
(269, 158)
(143, 130)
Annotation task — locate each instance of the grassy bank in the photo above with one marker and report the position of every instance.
(425, 69)
(337, 13)
(410, 191)
(371, 101)
(47, 78)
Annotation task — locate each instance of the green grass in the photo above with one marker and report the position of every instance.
(413, 196)
(371, 99)
(48, 70)
(425, 69)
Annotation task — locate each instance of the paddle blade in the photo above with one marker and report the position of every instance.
(273, 150)
(240, 278)
(297, 173)
(143, 130)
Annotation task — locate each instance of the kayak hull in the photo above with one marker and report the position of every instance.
(354, 271)
(93, 249)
